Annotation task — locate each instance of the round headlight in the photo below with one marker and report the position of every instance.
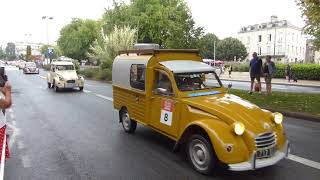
(238, 128)
(61, 78)
(278, 118)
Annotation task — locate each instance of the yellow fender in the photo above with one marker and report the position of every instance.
(229, 148)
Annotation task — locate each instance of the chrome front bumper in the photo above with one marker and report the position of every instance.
(260, 163)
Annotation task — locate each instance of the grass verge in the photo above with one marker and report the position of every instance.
(308, 104)
(97, 74)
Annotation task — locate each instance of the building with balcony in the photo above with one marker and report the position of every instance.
(21, 48)
(280, 39)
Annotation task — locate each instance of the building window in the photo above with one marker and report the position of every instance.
(268, 50)
(292, 51)
(259, 38)
(259, 51)
(137, 76)
(296, 50)
(269, 37)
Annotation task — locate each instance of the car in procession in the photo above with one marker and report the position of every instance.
(30, 68)
(63, 75)
(191, 107)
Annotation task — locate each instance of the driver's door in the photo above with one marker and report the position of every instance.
(165, 108)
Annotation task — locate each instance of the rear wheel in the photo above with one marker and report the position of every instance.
(128, 125)
(56, 88)
(81, 88)
(49, 85)
(200, 154)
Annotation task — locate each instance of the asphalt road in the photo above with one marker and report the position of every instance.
(76, 135)
(275, 87)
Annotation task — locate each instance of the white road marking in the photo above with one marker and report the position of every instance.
(96, 85)
(42, 77)
(104, 97)
(304, 161)
(20, 145)
(26, 161)
(86, 91)
(279, 88)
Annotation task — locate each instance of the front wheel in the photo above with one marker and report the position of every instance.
(201, 155)
(128, 125)
(56, 88)
(81, 88)
(49, 85)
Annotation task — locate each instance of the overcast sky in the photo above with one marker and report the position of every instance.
(21, 19)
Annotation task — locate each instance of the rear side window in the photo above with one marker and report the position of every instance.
(137, 76)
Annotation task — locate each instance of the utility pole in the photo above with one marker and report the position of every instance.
(214, 50)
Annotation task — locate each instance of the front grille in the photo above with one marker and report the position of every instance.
(266, 140)
(71, 81)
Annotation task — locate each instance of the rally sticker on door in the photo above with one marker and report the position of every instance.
(166, 111)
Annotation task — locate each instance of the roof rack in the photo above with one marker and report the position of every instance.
(155, 51)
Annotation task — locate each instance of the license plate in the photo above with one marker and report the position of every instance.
(70, 85)
(265, 153)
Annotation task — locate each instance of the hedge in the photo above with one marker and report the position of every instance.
(301, 71)
(97, 73)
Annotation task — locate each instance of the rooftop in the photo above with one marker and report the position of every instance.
(269, 25)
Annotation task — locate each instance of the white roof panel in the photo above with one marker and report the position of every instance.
(184, 66)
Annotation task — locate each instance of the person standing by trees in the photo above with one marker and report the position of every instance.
(269, 69)
(255, 71)
(288, 72)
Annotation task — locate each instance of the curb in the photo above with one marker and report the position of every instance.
(300, 85)
(298, 115)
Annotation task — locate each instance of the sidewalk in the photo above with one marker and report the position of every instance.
(245, 77)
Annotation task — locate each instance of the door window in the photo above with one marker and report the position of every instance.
(162, 84)
(137, 76)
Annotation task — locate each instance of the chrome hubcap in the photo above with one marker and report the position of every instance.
(199, 154)
(126, 120)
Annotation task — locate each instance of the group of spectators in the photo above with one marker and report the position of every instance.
(258, 70)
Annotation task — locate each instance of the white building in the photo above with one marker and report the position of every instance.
(277, 38)
(21, 48)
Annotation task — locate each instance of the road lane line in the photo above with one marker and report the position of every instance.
(15, 133)
(86, 91)
(104, 97)
(42, 77)
(304, 161)
(26, 161)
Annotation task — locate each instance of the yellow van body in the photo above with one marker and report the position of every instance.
(217, 116)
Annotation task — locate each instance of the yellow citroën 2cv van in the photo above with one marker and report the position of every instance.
(176, 94)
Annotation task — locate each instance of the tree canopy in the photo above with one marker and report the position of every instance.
(311, 13)
(77, 37)
(166, 22)
(206, 45)
(11, 51)
(230, 48)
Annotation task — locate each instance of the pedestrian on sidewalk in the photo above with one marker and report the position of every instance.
(5, 102)
(269, 69)
(255, 71)
(230, 71)
(288, 72)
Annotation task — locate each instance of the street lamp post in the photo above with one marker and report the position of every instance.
(47, 18)
(274, 20)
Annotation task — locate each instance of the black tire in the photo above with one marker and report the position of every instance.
(201, 155)
(56, 88)
(129, 125)
(81, 88)
(49, 85)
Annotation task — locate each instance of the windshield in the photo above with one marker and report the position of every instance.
(197, 81)
(64, 67)
(30, 65)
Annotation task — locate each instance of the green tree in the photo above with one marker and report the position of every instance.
(28, 55)
(230, 48)
(2, 53)
(206, 45)
(311, 13)
(11, 51)
(77, 37)
(166, 22)
(106, 50)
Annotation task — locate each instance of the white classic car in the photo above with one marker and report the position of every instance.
(62, 75)
(30, 68)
